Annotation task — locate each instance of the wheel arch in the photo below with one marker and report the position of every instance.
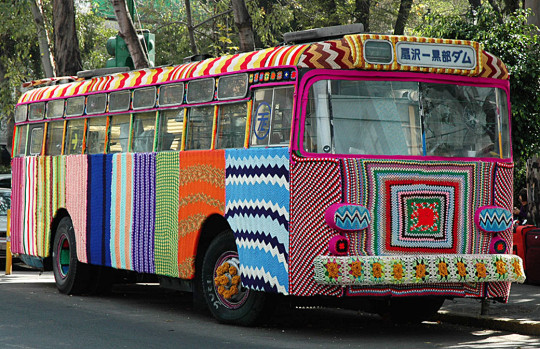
(212, 226)
(60, 213)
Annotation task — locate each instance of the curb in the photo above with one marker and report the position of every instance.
(526, 327)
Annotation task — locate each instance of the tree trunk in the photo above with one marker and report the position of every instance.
(47, 59)
(403, 16)
(361, 12)
(190, 28)
(66, 44)
(128, 33)
(243, 22)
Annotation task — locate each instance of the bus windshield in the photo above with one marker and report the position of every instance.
(406, 118)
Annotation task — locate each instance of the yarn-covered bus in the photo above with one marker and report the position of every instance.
(371, 170)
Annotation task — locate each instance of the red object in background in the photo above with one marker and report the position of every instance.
(532, 256)
(519, 241)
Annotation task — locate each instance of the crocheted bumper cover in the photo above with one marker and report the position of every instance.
(426, 269)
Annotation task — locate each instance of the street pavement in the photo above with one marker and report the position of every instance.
(520, 315)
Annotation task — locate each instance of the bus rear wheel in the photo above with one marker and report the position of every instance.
(70, 275)
(228, 300)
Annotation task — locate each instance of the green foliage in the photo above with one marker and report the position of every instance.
(92, 34)
(518, 45)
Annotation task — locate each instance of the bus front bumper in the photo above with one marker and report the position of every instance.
(418, 269)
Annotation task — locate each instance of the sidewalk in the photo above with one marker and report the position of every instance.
(520, 315)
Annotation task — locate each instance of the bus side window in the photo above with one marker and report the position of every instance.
(20, 147)
(74, 137)
(36, 139)
(232, 125)
(199, 130)
(95, 135)
(272, 114)
(170, 130)
(144, 127)
(54, 141)
(119, 133)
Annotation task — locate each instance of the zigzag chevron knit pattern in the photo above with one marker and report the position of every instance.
(257, 208)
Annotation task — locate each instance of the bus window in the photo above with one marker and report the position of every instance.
(170, 130)
(54, 141)
(199, 130)
(55, 109)
(74, 136)
(20, 147)
(144, 129)
(231, 125)
(119, 133)
(95, 135)
(36, 139)
(272, 113)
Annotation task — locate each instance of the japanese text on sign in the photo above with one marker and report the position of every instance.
(436, 55)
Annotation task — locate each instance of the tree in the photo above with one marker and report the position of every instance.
(47, 59)
(128, 33)
(66, 43)
(243, 22)
(518, 45)
(361, 12)
(403, 15)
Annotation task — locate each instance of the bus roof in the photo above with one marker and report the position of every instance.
(357, 51)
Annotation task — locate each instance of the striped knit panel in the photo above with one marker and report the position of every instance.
(315, 185)
(29, 241)
(503, 191)
(76, 203)
(18, 175)
(201, 194)
(99, 208)
(43, 205)
(257, 208)
(121, 210)
(144, 212)
(166, 234)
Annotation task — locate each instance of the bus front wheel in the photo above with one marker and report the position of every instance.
(70, 275)
(228, 301)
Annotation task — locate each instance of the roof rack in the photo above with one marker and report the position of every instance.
(88, 74)
(320, 34)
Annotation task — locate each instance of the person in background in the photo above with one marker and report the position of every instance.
(520, 214)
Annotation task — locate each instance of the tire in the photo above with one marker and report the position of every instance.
(70, 275)
(240, 306)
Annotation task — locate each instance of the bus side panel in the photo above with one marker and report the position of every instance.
(257, 208)
(99, 209)
(76, 199)
(201, 194)
(18, 170)
(167, 205)
(315, 185)
(144, 212)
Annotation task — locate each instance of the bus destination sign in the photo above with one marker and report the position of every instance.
(436, 55)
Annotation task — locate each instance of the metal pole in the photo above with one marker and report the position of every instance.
(8, 245)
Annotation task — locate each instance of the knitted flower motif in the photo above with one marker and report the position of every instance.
(443, 269)
(356, 269)
(397, 271)
(221, 280)
(232, 270)
(420, 271)
(462, 269)
(517, 268)
(332, 269)
(481, 271)
(501, 267)
(376, 270)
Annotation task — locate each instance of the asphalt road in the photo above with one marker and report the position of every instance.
(34, 315)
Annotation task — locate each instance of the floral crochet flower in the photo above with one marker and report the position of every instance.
(443, 269)
(481, 271)
(501, 267)
(517, 268)
(356, 269)
(420, 271)
(333, 270)
(376, 270)
(462, 269)
(397, 271)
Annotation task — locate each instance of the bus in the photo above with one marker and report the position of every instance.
(366, 170)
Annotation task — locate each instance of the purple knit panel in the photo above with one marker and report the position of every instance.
(144, 212)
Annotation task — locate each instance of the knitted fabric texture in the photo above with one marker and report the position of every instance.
(166, 228)
(201, 194)
(257, 183)
(18, 174)
(76, 194)
(30, 191)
